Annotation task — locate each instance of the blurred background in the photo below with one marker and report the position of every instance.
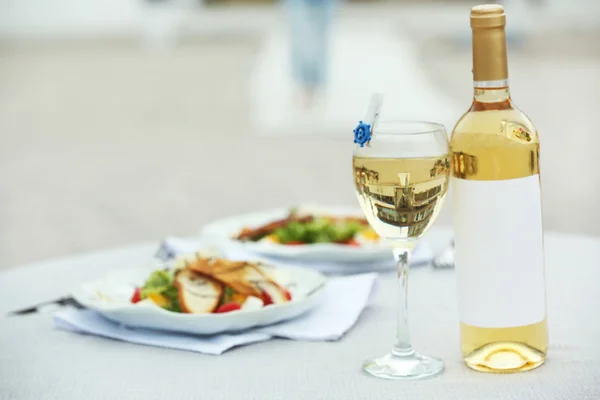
(127, 120)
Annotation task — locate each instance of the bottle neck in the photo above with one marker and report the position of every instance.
(490, 63)
(491, 91)
(490, 67)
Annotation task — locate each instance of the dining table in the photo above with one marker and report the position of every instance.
(39, 361)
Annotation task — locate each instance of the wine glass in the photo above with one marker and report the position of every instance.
(401, 174)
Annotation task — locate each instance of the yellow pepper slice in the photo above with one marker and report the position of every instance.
(239, 298)
(370, 234)
(158, 299)
(273, 238)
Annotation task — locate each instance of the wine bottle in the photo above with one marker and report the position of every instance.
(497, 215)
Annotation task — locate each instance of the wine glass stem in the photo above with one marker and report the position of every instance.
(403, 347)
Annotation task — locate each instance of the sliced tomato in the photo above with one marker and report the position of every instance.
(295, 243)
(266, 298)
(137, 296)
(351, 242)
(286, 294)
(228, 307)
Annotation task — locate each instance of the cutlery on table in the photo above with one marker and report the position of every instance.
(47, 306)
(445, 259)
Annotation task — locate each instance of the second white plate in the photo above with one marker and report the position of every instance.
(226, 229)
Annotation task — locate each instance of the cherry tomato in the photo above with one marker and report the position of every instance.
(227, 307)
(137, 296)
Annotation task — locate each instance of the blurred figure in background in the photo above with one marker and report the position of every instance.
(309, 22)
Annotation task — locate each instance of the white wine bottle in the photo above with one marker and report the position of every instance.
(497, 215)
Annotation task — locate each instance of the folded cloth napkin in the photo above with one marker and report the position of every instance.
(343, 301)
(172, 247)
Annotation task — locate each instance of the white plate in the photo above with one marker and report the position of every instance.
(110, 296)
(226, 229)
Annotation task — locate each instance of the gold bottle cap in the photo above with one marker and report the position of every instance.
(487, 16)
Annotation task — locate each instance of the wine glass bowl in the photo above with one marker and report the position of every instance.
(401, 177)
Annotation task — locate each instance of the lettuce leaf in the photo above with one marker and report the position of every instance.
(320, 230)
(162, 282)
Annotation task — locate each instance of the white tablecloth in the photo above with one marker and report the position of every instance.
(39, 362)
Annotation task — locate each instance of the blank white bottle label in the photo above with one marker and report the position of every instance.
(499, 252)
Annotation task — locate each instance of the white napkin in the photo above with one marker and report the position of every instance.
(174, 246)
(344, 300)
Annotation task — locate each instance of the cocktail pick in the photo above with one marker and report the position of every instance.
(364, 130)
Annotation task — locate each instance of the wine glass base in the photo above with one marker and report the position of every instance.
(410, 367)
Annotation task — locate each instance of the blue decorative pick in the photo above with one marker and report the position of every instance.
(362, 133)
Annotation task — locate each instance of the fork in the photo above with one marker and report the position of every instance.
(445, 259)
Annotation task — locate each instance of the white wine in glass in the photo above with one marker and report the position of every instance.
(401, 205)
(401, 178)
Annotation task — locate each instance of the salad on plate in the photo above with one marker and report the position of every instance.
(208, 284)
(302, 228)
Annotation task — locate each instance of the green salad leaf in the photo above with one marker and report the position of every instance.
(157, 282)
(173, 295)
(319, 230)
(162, 282)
